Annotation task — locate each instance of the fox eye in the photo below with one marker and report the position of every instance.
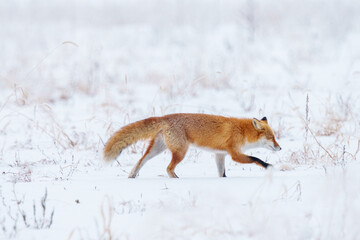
(270, 137)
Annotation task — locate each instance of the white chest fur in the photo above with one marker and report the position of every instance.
(258, 144)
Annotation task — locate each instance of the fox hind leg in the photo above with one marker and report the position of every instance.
(155, 147)
(177, 157)
(220, 163)
(177, 143)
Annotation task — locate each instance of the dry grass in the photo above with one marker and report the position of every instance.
(336, 116)
(15, 214)
(334, 125)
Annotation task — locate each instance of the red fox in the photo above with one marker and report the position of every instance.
(223, 135)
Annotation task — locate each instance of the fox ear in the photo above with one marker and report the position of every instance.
(257, 124)
(264, 119)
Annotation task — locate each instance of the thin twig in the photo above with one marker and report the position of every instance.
(312, 134)
(48, 55)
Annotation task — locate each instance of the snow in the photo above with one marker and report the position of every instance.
(72, 73)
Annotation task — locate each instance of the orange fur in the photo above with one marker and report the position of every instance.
(177, 131)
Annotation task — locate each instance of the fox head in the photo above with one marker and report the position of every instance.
(266, 137)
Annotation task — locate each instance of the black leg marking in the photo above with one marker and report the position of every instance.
(261, 162)
(224, 174)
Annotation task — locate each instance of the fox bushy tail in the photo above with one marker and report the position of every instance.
(129, 134)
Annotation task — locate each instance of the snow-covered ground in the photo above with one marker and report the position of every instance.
(73, 72)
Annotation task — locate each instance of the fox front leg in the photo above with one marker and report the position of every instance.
(242, 158)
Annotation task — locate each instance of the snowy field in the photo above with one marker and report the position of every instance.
(74, 72)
